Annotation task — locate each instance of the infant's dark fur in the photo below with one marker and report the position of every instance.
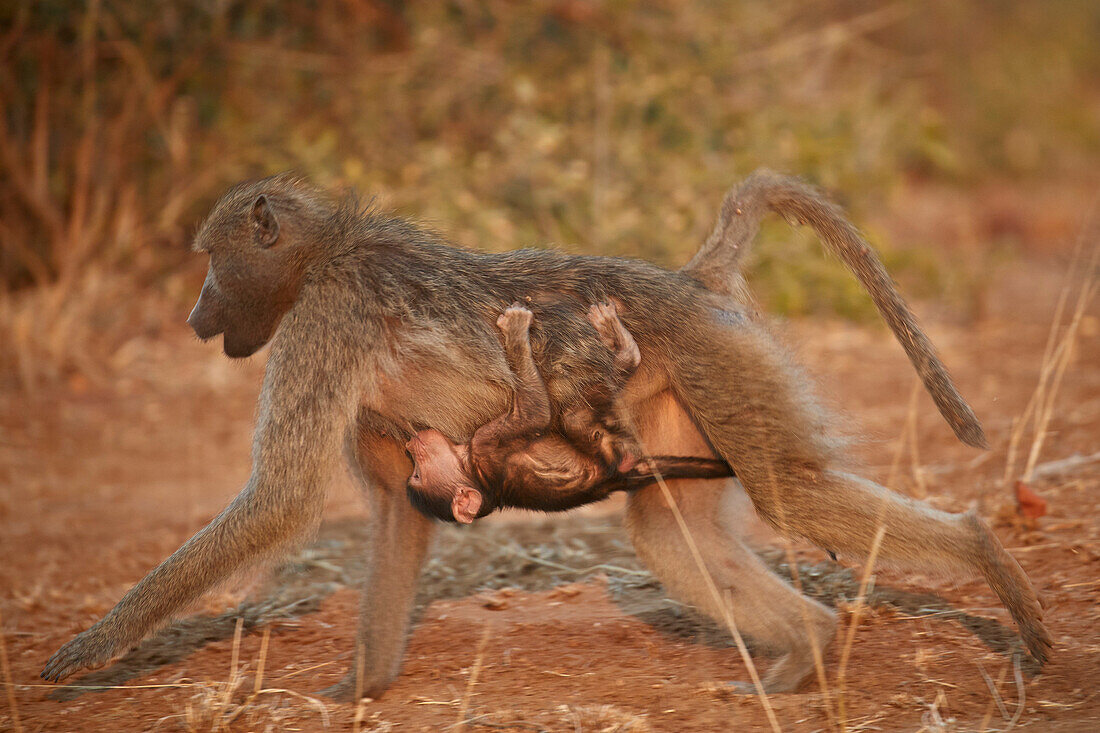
(518, 461)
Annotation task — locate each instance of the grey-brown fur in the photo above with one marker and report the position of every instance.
(379, 329)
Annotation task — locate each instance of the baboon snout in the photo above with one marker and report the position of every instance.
(206, 318)
(203, 322)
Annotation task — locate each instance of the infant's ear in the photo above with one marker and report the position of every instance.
(466, 504)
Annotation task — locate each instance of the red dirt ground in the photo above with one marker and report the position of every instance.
(98, 484)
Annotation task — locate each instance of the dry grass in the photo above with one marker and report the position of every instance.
(602, 719)
(1058, 353)
(603, 128)
(221, 707)
(460, 722)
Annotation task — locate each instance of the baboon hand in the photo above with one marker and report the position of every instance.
(516, 320)
(88, 650)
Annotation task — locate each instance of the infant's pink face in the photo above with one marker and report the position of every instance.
(438, 470)
(436, 464)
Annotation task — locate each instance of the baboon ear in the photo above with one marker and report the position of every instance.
(263, 219)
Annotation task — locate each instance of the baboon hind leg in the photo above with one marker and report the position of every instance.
(768, 429)
(398, 543)
(768, 612)
(766, 609)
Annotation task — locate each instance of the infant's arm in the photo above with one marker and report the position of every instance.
(530, 411)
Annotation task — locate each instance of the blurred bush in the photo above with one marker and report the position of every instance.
(610, 127)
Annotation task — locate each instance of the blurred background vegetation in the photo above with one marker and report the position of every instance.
(608, 127)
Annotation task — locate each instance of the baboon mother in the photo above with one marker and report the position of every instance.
(379, 330)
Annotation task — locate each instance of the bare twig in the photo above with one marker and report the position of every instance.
(834, 34)
(460, 724)
(857, 611)
(995, 696)
(1063, 465)
(1021, 692)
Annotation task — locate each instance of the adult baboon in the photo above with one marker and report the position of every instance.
(378, 330)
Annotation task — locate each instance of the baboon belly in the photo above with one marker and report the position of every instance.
(455, 402)
(663, 425)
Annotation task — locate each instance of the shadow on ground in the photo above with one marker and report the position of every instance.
(528, 557)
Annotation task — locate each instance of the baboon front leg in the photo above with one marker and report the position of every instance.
(399, 540)
(261, 521)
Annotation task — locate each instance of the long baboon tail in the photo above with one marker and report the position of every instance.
(717, 264)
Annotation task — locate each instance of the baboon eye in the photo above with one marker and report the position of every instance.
(596, 434)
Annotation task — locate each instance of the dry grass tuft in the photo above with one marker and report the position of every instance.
(602, 719)
(222, 706)
(1058, 354)
(475, 671)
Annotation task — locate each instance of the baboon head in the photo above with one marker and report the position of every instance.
(261, 237)
(441, 485)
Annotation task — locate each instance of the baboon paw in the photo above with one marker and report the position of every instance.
(1028, 612)
(738, 687)
(88, 650)
(605, 320)
(516, 319)
(345, 690)
(602, 312)
(1038, 641)
(342, 691)
(741, 687)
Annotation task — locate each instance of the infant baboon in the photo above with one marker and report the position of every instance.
(378, 329)
(518, 461)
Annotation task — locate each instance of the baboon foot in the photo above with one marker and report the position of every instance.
(606, 321)
(789, 671)
(1012, 586)
(345, 689)
(742, 688)
(785, 675)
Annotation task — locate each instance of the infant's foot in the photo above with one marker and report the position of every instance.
(606, 320)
